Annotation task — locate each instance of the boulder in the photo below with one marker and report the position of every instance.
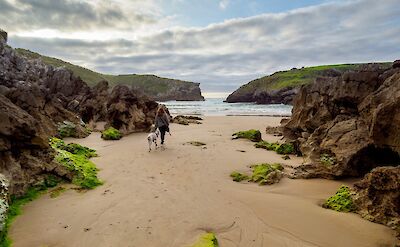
(378, 196)
(186, 120)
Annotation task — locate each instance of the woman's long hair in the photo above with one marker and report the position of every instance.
(160, 111)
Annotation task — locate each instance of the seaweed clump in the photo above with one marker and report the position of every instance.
(207, 240)
(239, 177)
(267, 173)
(76, 158)
(262, 174)
(252, 135)
(341, 201)
(111, 134)
(284, 149)
(327, 159)
(16, 203)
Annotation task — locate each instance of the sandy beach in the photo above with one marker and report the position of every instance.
(169, 197)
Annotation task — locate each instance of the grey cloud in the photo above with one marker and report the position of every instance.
(225, 55)
(67, 15)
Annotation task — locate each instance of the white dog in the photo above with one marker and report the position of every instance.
(152, 138)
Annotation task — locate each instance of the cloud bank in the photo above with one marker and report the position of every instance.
(221, 56)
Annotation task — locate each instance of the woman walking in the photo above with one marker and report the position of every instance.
(162, 122)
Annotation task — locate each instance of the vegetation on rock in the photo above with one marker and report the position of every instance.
(341, 201)
(111, 134)
(16, 204)
(70, 129)
(186, 120)
(293, 78)
(238, 177)
(252, 135)
(327, 159)
(262, 173)
(85, 171)
(207, 240)
(285, 148)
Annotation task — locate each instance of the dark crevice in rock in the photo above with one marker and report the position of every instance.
(369, 158)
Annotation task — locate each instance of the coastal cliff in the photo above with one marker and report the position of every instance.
(155, 87)
(281, 87)
(38, 100)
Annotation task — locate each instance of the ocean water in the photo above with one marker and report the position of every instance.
(216, 107)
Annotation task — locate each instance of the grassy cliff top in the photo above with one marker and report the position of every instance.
(151, 83)
(295, 77)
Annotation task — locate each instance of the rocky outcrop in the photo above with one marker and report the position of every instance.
(3, 35)
(281, 87)
(348, 125)
(129, 113)
(36, 99)
(377, 196)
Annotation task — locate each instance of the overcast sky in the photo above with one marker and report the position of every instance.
(220, 43)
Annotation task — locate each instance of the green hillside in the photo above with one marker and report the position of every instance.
(287, 79)
(296, 77)
(151, 85)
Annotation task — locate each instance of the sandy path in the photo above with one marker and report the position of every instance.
(168, 198)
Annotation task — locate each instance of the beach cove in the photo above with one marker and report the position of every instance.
(171, 197)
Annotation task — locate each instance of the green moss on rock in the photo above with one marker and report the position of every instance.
(341, 201)
(238, 177)
(16, 204)
(261, 172)
(327, 159)
(252, 135)
(85, 171)
(285, 148)
(111, 134)
(207, 240)
(66, 129)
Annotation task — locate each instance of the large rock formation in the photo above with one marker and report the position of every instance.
(129, 113)
(35, 99)
(348, 125)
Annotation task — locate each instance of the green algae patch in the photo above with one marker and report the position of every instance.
(284, 149)
(85, 171)
(239, 177)
(16, 203)
(66, 129)
(327, 159)
(77, 149)
(57, 192)
(111, 134)
(262, 172)
(341, 201)
(197, 143)
(252, 135)
(207, 240)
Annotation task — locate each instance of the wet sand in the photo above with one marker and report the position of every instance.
(170, 197)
